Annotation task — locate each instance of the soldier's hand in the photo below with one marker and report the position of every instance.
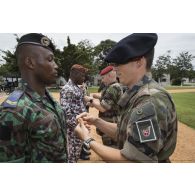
(81, 131)
(96, 96)
(87, 98)
(87, 118)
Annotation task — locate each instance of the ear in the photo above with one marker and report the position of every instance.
(141, 62)
(29, 62)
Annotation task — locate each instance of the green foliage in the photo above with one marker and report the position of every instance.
(74, 54)
(162, 66)
(178, 68)
(176, 81)
(10, 66)
(185, 106)
(100, 51)
(183, 65)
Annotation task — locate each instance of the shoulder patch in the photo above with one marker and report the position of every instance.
(146, 131)
(12, 100)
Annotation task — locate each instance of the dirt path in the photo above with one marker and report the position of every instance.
(180, 90)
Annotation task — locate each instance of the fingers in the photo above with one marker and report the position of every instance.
(80, 120)
(81, 115)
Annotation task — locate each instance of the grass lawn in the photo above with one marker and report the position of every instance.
(93, 89)
(185, 105)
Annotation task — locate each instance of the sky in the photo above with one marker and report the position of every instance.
(176, 42)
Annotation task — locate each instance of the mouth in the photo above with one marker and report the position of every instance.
(55, 74)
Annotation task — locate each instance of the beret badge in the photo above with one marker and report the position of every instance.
(45, 41)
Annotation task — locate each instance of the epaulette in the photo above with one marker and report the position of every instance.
(12, 100)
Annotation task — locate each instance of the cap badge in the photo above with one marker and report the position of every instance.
(45, 41)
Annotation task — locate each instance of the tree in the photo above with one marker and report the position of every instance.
(183, 65)
(100, 51)
(82, 53)
(163, 65)
(9, 66)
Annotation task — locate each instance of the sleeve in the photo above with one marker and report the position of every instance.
(110, 97)
(12, 137)
(144, 132)
(68, 103)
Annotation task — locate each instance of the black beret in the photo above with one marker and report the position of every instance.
(36, 39)
(131, 47)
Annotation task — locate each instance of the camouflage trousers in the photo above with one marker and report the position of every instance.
(74, 146)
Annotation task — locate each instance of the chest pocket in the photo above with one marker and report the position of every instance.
(144, 124)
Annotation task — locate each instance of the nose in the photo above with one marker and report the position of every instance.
(56, 66)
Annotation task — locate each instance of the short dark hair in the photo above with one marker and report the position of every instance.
(149, 59)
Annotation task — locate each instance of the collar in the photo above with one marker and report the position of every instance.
(72, 83)
(33, 94)
(131, 92)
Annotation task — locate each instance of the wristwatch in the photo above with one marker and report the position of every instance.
(88, 141)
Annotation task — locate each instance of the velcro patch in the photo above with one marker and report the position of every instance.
(146, 131)
(12, 100)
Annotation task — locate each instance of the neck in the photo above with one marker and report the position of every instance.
(113, 81)
(34, 85)
(136, 80)
(73, 80)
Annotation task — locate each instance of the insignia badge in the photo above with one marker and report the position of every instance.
(146, 131)
(45, 41)
(139, 111)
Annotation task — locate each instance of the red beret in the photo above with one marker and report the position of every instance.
(106, 70)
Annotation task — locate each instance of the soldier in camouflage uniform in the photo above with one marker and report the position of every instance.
(107, 102)
(32, 124)
(147, 128)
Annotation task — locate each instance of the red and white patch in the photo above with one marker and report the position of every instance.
(146, 132)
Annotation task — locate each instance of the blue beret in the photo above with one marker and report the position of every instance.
(131, 47)
(36, 39)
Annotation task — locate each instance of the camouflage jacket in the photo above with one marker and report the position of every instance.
(32, 128)
(109, 99)
(147, 128)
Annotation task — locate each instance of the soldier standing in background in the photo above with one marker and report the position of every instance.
(107, 101)
(32, 124)
(147, 128)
